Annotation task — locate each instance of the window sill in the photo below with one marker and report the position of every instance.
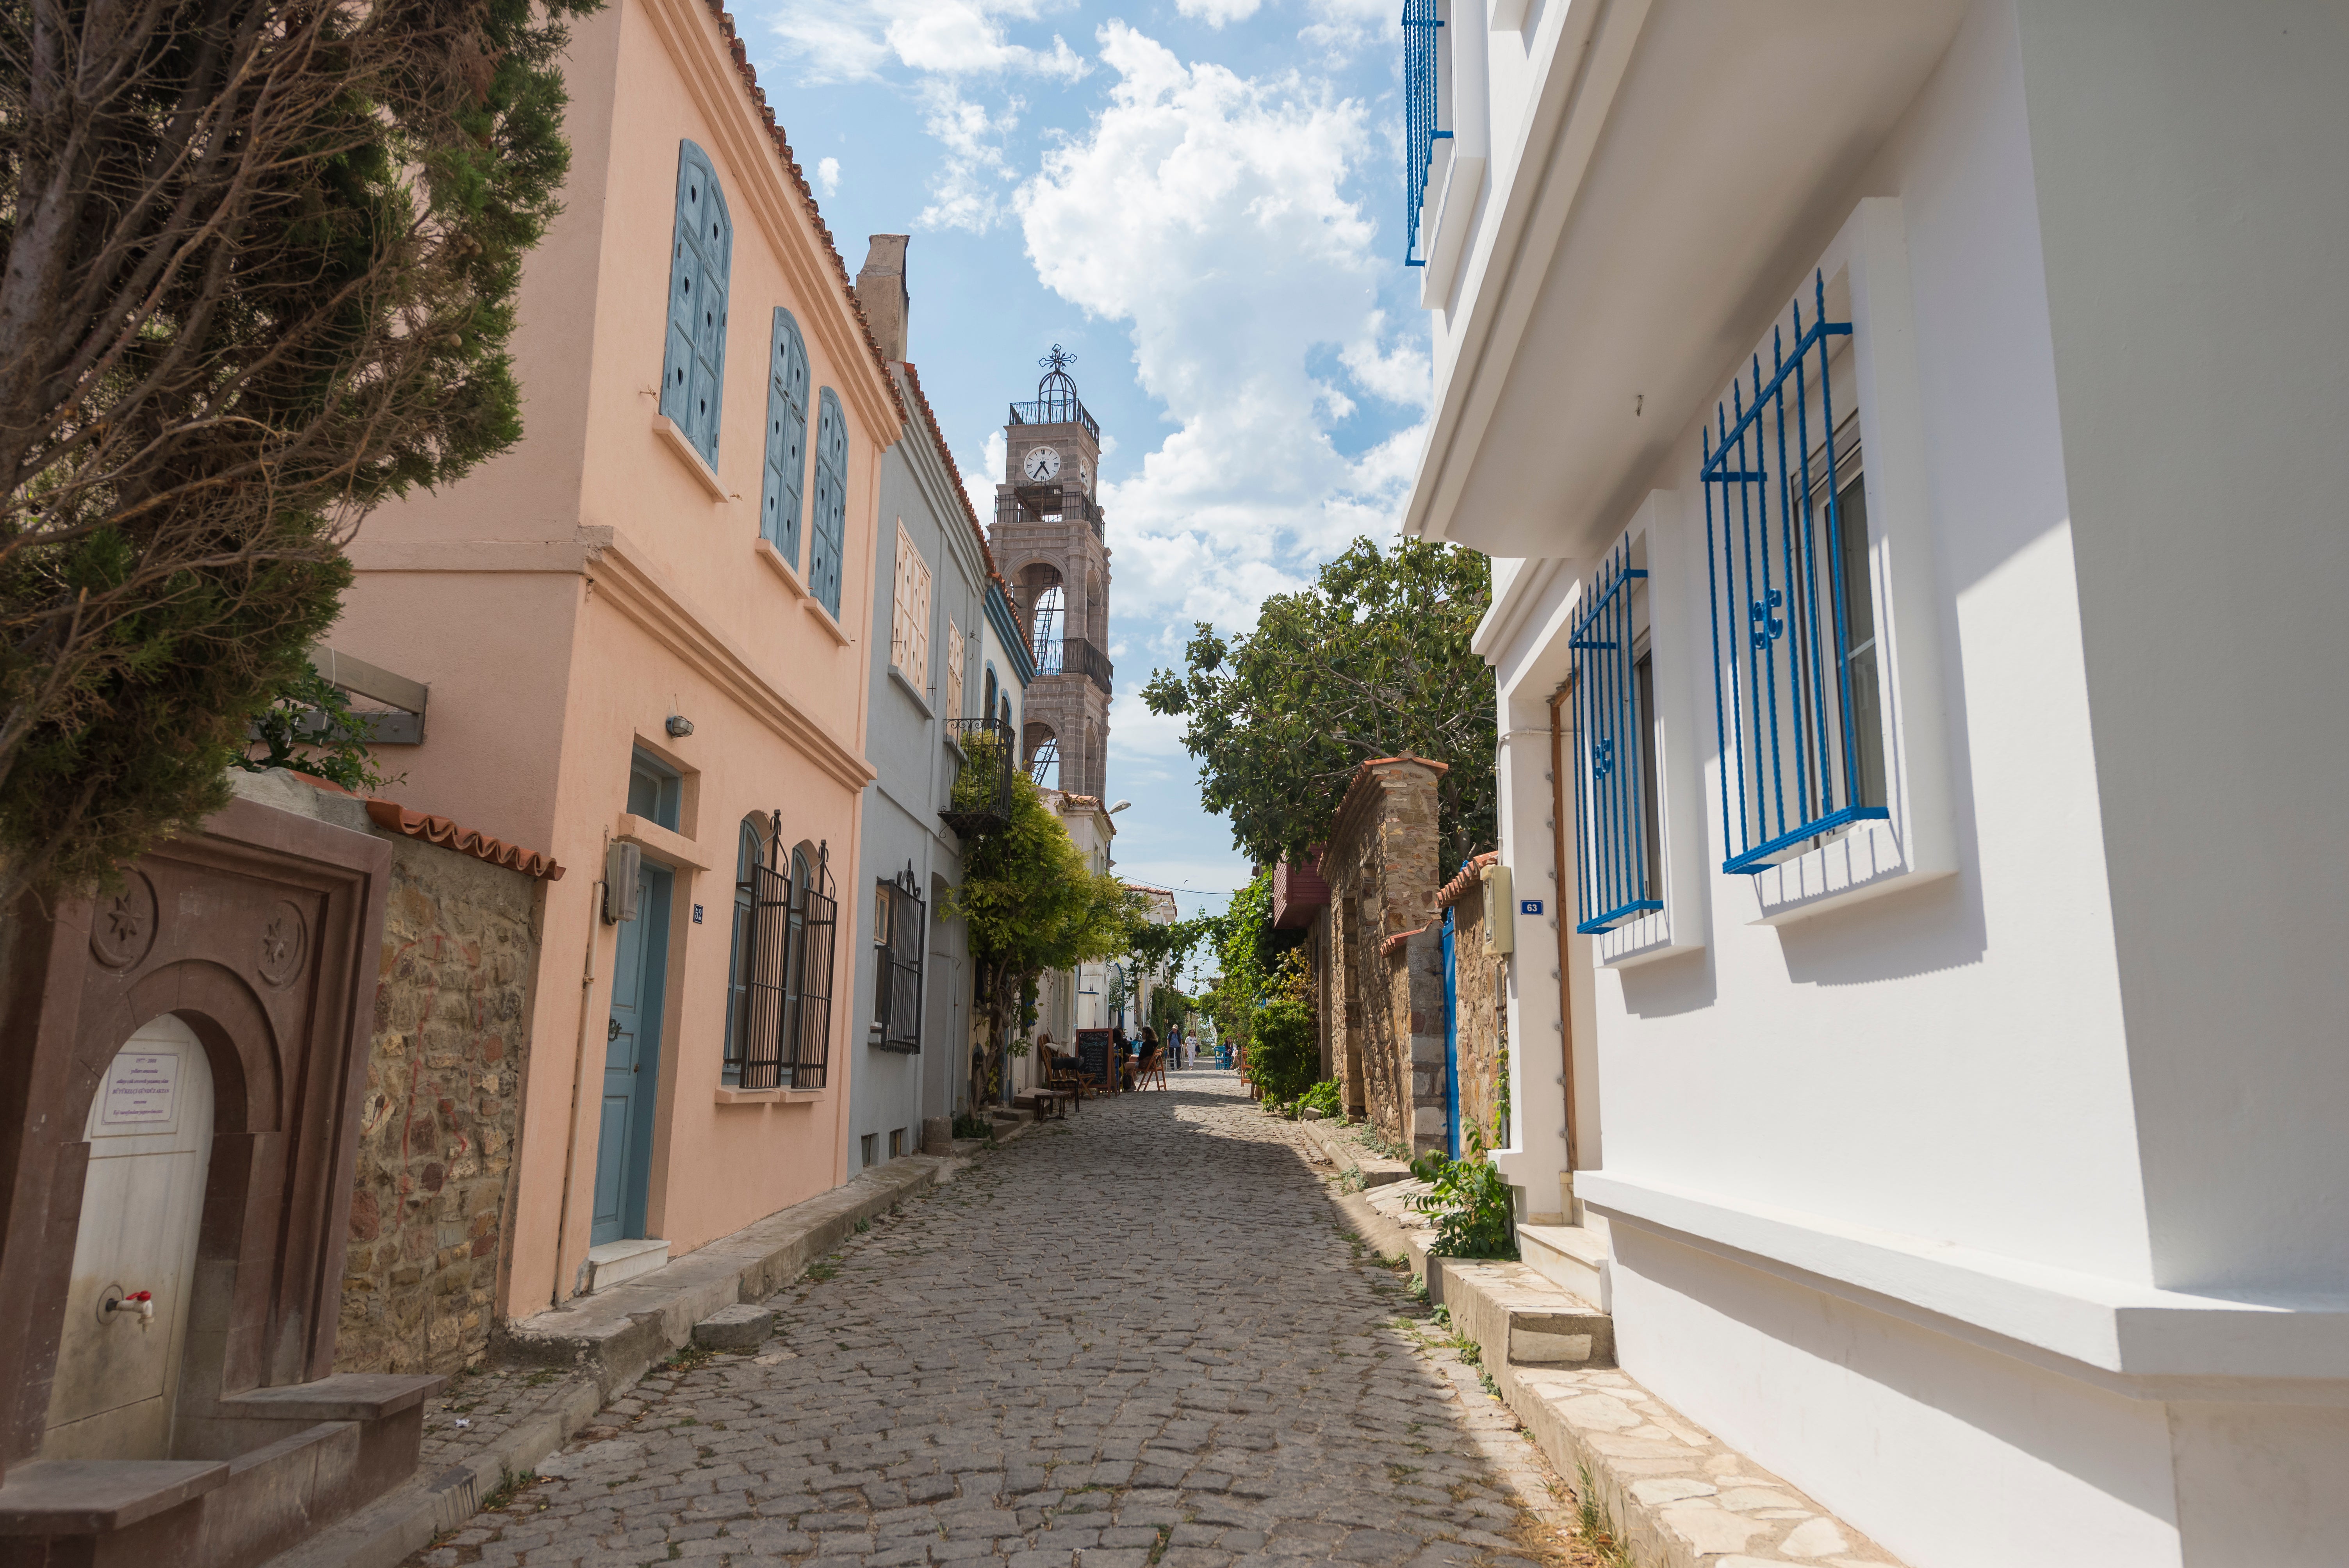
(823, 618)
(667, 430)
(1866, 861)
(1640, 941)
(728, 1095)
(659, 844)
(765, 551)
(898, 677)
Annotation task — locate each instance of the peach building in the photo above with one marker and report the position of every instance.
(642, 629)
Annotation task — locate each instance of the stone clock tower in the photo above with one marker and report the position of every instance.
(1046, 540)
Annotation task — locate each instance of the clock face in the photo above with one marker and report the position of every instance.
(1044, 463)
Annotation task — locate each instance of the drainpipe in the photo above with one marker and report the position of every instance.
(579, 1062)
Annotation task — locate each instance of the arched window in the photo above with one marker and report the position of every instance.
(693, 366)
(988, 707)
(786, 473)
(825, 546)
(1042, 748)
(1005, 704)
(749, 856)
(1047, 630)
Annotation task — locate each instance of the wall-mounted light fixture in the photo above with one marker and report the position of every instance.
(680, 727)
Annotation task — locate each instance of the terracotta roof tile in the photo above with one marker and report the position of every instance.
(396, 818)
(1452, 890)
(1393, 945)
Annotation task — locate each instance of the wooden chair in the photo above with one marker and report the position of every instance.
(1154, 1065)
(1061, 1074)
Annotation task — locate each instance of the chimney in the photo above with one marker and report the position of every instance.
(881, 289)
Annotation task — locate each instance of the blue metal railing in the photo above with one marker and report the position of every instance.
(1780, 650)
(1610, 793)
(1423, 106)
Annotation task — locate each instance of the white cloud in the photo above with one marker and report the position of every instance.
(971, 182)
(1344, 27)
(1215, 12)
(1207, 210)
(941, 37)
(827, 176)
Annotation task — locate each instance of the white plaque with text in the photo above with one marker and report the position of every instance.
(142, 1092)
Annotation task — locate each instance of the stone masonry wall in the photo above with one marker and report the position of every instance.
(1483, 1013)
(441, 1112)
(1381, 866)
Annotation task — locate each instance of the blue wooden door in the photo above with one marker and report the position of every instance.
(632, 1064)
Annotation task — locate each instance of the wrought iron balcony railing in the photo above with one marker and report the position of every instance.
(1423, 106)
(1075, 656)
(1046, 502)
(980, 799)
(1056, 411)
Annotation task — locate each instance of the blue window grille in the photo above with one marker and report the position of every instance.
(693, 366)
(1783, 663)
(1422, 108)
(1610, 788)
(786, 475)
(826, 543)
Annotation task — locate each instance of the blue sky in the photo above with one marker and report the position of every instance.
(1201, 199)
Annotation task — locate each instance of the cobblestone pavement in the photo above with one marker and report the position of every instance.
(1139, 1337)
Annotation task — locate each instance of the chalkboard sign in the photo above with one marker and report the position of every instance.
(1094, 1049)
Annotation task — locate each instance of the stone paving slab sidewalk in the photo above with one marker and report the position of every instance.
(1679, 1497)
(559, 1369)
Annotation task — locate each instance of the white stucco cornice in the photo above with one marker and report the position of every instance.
(773, 197)
(1579, 74)
(622, 576)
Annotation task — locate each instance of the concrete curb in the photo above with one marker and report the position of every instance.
(609, 1340)
(1336, 1141)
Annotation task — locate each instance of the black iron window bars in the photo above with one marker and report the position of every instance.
(779, 1034)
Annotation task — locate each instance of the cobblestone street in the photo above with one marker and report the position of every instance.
(1136, 1336)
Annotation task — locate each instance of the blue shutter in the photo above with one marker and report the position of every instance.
(701, 256)
(831, 502)
(786, 475)
(1610, 796)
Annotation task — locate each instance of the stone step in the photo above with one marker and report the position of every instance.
(1518, 1317)
(1572, 1258)
(615, 1261)
(736, 1328)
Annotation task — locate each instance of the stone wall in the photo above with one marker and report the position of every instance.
(1482, 1003)
(1381, 865)
(441, 1112)
(442, 1105)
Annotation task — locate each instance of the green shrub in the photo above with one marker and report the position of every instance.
(1322, 1097)
(1285, 1054)
(1472, 1206)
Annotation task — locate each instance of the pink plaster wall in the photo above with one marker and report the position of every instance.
(543, 676)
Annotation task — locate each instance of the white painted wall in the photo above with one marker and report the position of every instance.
(2104, 1055)
(2196, 211)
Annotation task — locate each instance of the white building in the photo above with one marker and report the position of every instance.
(1946, 786)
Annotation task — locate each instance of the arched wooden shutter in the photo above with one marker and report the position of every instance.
(831, 502)
(786, 475)
(693, 368)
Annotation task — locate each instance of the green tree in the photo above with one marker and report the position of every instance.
(1033, 904)
(259, 264)
(1371, 661)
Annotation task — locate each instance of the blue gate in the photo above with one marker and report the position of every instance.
(1451, 1040)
